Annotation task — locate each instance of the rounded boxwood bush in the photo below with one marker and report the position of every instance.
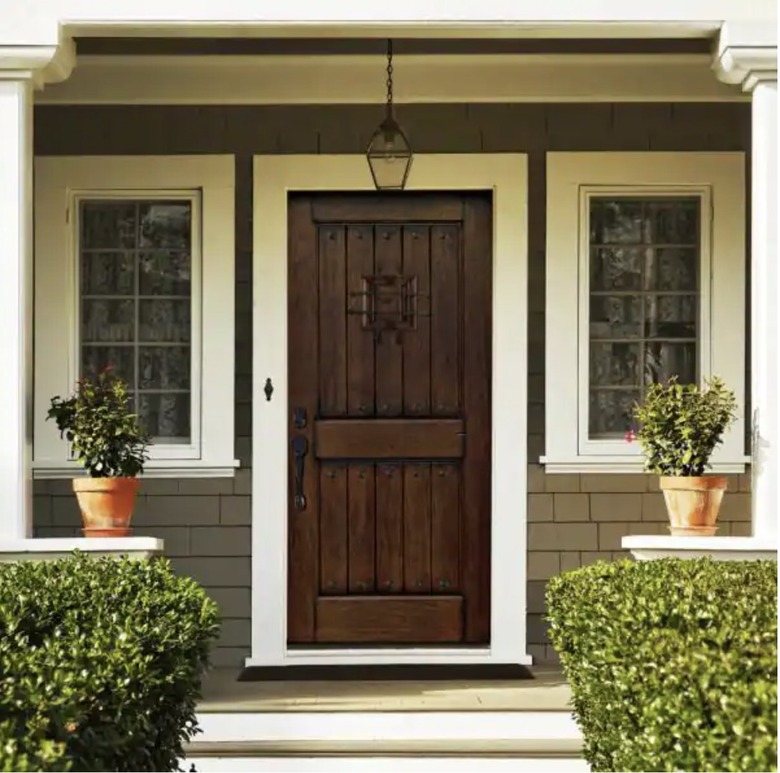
(672, 663)
(100, 663)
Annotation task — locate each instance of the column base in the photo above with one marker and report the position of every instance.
(51, 548)
(647, 547)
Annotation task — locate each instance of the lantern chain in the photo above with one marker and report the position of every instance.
(390, 78)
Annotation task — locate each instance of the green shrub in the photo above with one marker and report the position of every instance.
(680, 425)
(672, 664)
(100, 664)
(97, 420)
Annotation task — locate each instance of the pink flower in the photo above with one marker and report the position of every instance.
(630, 436)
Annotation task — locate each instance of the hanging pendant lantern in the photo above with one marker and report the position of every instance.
(389, 153)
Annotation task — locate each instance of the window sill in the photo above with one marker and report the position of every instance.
(616, 465)
(164, 468)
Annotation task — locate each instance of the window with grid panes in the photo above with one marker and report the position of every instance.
(135, 265)
(644, 258)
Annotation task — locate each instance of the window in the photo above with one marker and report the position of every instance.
(134, 266)
(136, 304)
(642, 249)
(644, 256)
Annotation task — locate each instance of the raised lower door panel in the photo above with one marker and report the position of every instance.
(390, 619)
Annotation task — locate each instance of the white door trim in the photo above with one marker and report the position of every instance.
(274, 177)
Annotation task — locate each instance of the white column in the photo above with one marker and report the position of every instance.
(746, 56)
(765, 313)
(15, 307)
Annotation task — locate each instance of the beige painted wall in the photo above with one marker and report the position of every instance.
(573, 519)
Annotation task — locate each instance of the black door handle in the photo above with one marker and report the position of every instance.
(300, 447)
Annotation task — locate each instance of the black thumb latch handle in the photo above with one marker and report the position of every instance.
(300, 447)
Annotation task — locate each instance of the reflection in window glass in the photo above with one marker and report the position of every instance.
(643, 302)
(135, 262)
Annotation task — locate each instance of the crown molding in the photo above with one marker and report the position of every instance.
(746, 66)
(746, 54)
(420, 79)
(40, 64)
(62, 63)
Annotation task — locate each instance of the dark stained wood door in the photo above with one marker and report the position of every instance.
(389, 427)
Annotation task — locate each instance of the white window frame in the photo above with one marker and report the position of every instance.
(209, 182)
(572, 180)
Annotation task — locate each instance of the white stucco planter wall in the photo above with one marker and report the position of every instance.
(49, 549)
(646, 547)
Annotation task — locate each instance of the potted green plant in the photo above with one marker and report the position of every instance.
(680, 425)
(110, 445)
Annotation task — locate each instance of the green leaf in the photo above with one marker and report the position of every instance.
(106, 436)
(101, 663)
(672, 663)
(681, 425)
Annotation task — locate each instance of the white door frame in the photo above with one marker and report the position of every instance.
(275, 177)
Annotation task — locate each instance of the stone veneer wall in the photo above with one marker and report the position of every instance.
(573, 519)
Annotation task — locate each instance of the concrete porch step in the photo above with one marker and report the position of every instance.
(457, 724)
(546, 690)
(461, 747)
(385, 764)
(430, 736)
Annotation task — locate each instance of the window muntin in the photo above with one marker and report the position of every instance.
(136, 263)
(644, 261)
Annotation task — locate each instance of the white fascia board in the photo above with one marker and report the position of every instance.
(42, 23)
(505, 11)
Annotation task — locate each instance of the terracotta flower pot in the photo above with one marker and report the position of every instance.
(106, 505)
(693, 504)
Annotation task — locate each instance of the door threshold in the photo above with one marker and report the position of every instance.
(330, 656)
(385, 672)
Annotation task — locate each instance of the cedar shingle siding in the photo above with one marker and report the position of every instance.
(573, 519)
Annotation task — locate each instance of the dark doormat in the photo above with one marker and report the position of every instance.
(393, 673)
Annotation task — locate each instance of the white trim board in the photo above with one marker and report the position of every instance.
(274, 177)
(421, 79)
(210, 181)
(719, 179)
(555, 18)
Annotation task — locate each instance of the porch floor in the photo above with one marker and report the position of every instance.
(546, 691)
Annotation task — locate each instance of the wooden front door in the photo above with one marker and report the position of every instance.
(389, 320)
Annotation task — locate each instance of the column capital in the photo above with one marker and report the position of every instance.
(39, 64)
(746, 54)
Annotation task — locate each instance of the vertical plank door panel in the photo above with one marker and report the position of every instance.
(389, 353)
(417, 342)
(417, 528)
(389, 528)
(445, 528)
(333, 320)
(360, 342)
(333, 529)
(445, 320)
(361, 525)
